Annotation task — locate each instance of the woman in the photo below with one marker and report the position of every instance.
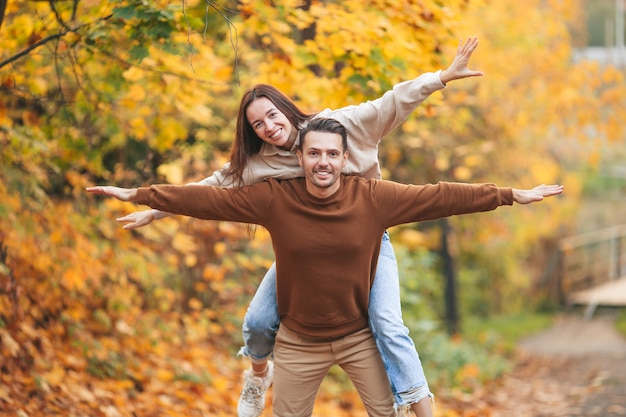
(268, 123)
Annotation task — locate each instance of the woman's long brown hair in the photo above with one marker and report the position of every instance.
(246, 141)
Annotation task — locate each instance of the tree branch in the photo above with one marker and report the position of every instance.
(234, 42)
(32, 47)
(44, 41)
(58, 16)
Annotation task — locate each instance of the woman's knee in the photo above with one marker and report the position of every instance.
(257, 323)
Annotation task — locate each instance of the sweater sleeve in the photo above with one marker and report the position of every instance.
(217, 179)
(399, 203)
(247, 204)
(368, 122)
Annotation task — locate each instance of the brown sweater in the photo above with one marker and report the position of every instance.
(326, 249)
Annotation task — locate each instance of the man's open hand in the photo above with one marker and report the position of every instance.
(123, 194)
(536, 194)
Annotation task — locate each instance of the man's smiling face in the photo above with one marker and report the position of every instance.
(322, 157)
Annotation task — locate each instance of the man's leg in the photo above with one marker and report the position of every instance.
(300, 367)
(399, 356)
(358, 356)
(259, 331)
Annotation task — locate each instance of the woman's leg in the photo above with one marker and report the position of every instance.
(403, 365)
(260, 325)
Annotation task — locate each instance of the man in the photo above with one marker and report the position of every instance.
(326, 232)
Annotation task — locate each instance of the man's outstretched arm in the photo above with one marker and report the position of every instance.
(199, 201)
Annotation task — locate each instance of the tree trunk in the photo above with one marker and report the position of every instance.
(449, 273)
(3, 6)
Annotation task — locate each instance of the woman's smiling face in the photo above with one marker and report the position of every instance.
(270, 124)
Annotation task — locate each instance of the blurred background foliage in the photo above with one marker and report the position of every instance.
(131, 92)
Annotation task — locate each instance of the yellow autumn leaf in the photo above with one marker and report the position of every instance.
(442, 162)
(191, 260)
(169, 131)
(221, 384)
(220, 248)
(212, 272)
(173, 172)
(82, 393)
(610, 74)
(594, 158)
(139, 127)
(462, 173)
(77, 313)
(55, 376)
(134, 74)
(73, 278)
(468, 371)
(184, 243)
(56, 237)
(5, 395)
(5, 120)
(615, 130)
(9, 343)
(411, 238)
(136, 94)
(201, 114)
(544, 170)
(195, 304)
(164, 375)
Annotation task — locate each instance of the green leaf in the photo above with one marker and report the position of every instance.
(159, 30)
(125, 13)
(139, 52)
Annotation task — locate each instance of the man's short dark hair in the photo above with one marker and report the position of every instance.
(322, 124)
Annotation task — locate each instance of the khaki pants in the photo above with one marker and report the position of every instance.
(300, 365)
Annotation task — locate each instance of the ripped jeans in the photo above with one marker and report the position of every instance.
(400, 358)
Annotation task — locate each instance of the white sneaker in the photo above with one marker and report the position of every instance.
(252, 399)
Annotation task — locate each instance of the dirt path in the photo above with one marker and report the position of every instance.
(575, 369)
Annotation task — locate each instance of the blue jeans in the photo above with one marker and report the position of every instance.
(401, 361)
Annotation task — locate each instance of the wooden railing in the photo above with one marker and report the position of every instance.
(591, 259)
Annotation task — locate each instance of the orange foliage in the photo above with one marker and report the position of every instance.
(88, 326)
